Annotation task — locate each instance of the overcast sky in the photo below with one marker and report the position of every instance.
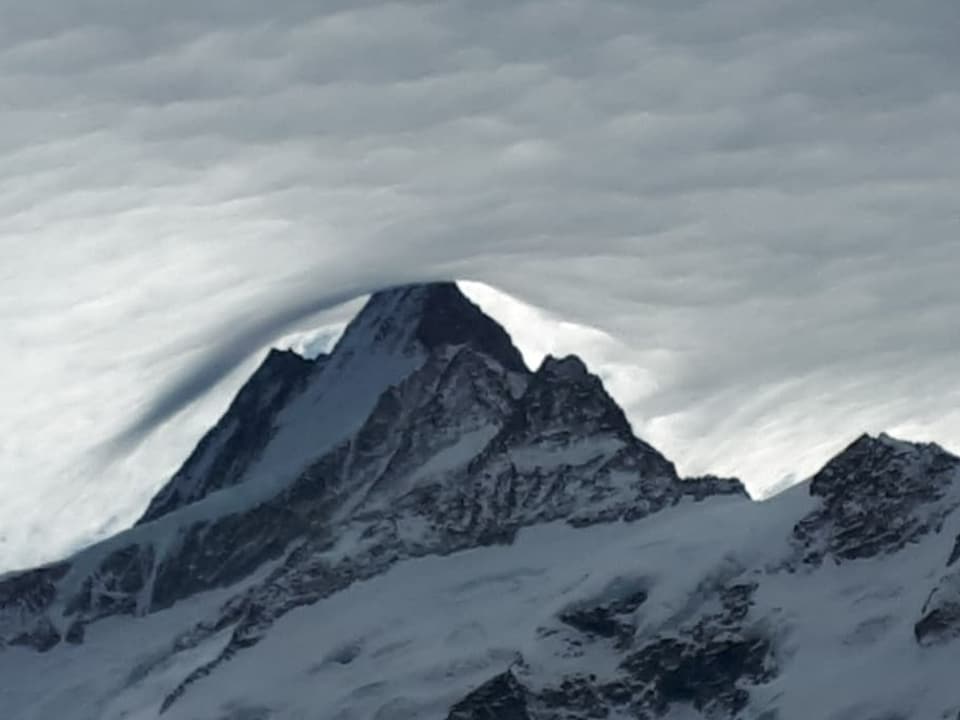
(743, 213)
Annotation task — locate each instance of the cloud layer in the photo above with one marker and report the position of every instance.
(742, 212)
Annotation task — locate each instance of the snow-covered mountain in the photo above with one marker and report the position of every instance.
(419, 526)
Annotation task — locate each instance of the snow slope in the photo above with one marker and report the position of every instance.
(413, 641)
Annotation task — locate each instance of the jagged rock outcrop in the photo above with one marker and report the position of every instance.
(708, 664)
(940, 616)
(25, 599)
(877, 496)
(704, 486)
(502, 698)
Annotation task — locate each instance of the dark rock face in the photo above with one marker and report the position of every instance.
(563, 399)
(241, 543)
(567, 451)
(939, 624)
(24, 600)
(706, 486)
(115, 589)
(709, 664)
(610, 620)
(226, 451)
(709, 677)
(878, 495)
(31, 591)
(43, 637)
(940, 617)
(955, 553)
(502, 698)
(449, 319)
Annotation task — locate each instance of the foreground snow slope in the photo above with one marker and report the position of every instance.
(408, 643)
(419, 526)
(415, 640)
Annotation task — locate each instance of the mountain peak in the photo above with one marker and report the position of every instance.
(570, 367)
(434, 315)
(873, 450)
(863, 465)
(565, 398)
(877, 495)
(880, 441)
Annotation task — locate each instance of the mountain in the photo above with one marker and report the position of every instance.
(418, 525)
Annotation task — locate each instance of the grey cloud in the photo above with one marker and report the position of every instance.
(756, 198)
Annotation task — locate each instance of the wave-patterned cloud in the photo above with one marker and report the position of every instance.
(750, 206)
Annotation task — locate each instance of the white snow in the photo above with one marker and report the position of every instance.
(455, 456)
(411, 642)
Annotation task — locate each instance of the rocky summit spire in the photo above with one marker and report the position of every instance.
(564, 398)
(431, 315)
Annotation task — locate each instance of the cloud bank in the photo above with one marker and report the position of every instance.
(743, 213)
